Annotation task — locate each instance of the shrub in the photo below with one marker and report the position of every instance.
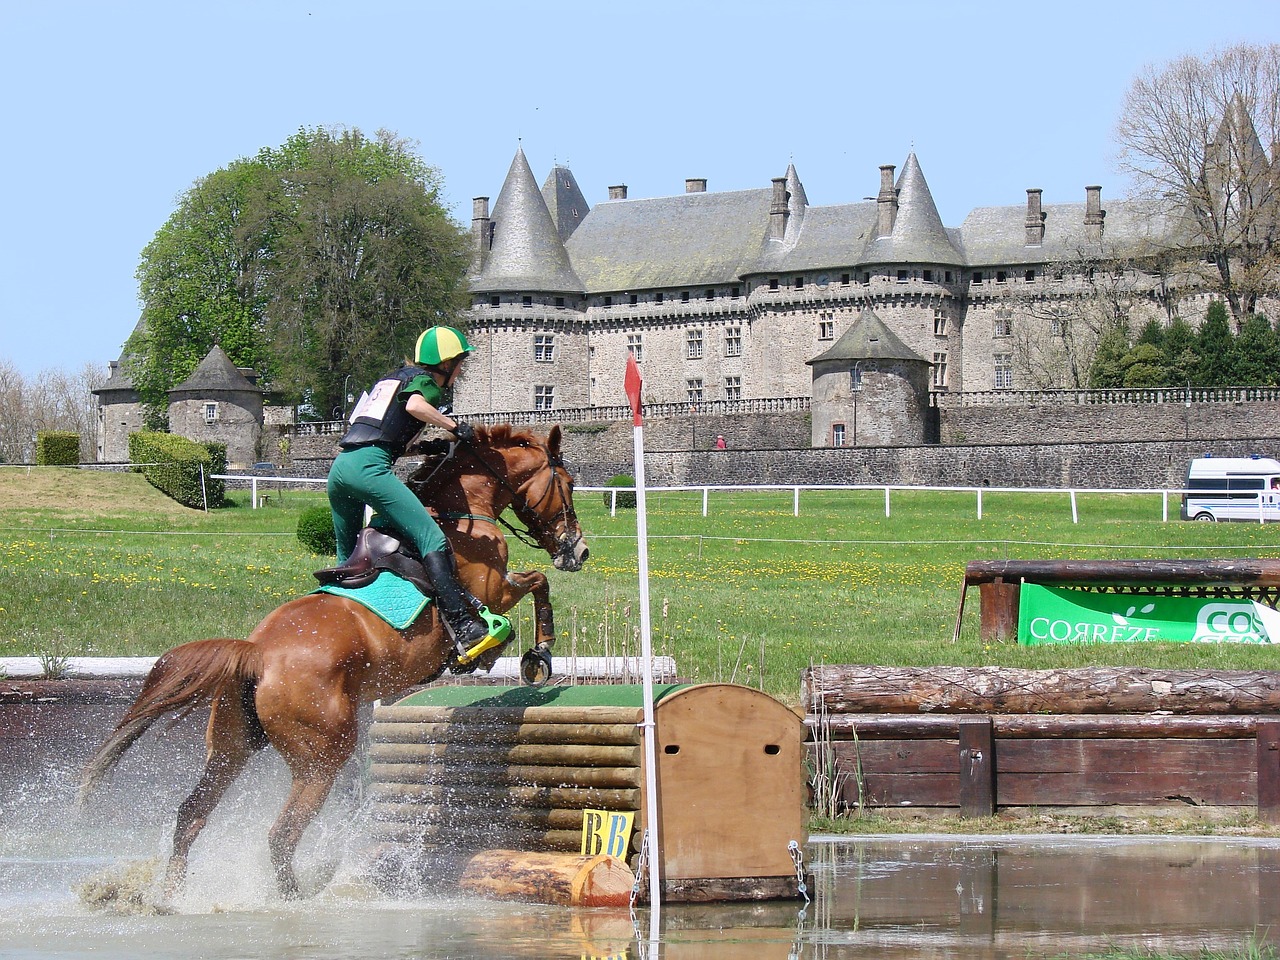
(181, 468)
(315, 531)
(627, 498)
(57, 448)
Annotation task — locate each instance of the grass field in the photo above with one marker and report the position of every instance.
(102, 564)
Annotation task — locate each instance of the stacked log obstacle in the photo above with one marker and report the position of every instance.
(982, 739)
(459, 773)
(998, 583)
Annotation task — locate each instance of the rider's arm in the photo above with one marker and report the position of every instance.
(420, 409)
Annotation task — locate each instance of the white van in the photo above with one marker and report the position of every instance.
(1232, 488)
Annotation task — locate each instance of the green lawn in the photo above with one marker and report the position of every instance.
(746, 593)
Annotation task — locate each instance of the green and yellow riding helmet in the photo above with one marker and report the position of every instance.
(440, 344)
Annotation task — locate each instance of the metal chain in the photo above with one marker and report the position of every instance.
(642, 867)
(797, 857)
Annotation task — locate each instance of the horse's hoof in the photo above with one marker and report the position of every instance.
(535, 667)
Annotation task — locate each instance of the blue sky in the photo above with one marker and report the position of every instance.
(112, 110)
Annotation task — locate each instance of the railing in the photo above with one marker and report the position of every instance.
(621, 412)
(1144, 395)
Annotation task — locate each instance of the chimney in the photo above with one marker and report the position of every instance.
(695, 185)
(1093, 212)
(618, 192)
(480, 235)
(1035, 218)
(887, 201)
(778, 211)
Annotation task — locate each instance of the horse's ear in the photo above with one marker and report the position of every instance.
(553, 440)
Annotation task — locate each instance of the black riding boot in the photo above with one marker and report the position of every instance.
(455, 606)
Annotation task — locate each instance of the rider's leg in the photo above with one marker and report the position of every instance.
(346, 500)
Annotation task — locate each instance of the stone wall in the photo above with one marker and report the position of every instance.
(1046, 445)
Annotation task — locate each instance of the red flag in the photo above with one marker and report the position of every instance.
(631, 383)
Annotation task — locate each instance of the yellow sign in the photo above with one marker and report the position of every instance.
(607, 832)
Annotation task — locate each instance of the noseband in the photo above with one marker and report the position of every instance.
(527, 510)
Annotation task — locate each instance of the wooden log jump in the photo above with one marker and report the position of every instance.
(998, 582)
(984, 738)
(459, 772)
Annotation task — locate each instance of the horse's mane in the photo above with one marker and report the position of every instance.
(440, 468)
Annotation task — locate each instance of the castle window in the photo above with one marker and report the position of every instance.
(733, 388)
(1001, 276)
(977, 276)
(210, 413)
(799, 283)
(635, 346)
(837, 434)
(544, 347)
(693, 344)
(733, 341)
(826, 327)
(543, 396)
(940, 369)
(1058, 326)
(527, 301)
(939, 323)
(684, 296)
(866, 276)
(928, 276)
(736, 292)
(902, 276)
(844, 279)
(1003, 327)
(773, 283)
(659, 297)
(1004, 371)
(495, 300)
(711, 295)
(1029, 276)
(634, 299)
(608, 302)
(693, 390)
(947, 277)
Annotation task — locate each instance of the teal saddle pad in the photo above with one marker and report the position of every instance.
(393, 598)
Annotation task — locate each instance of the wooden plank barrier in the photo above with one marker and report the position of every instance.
(981, 739)
(460, 772)
(998, 582)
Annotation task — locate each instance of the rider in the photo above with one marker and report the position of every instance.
(386, 419)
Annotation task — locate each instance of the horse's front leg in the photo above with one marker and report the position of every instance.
(514, 587)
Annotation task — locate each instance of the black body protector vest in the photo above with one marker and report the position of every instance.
(382, 416)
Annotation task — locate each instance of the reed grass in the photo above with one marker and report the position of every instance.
(749, 593)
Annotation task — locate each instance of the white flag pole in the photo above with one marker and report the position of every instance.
(632, 383)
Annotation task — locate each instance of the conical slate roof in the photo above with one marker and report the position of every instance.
(564, 200)
(216, 374)
(527, 254)
(918, 235)
(867, 339)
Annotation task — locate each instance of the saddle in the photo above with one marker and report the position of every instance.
(374, 552)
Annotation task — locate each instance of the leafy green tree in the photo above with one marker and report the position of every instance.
(1108, 369)
(1214, 346)
(1152, 333)
(311, 262)
(1180, 352)
(1144, 366)
(1255, 354)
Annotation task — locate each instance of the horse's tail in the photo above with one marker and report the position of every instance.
(181, 680)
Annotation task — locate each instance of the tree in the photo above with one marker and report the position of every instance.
(1107, 370)
(56, 400)
(1255, 354)
(1192, 137)
(1180, 352)
(310, 262)
(1215, 348)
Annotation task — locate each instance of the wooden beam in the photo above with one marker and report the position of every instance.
(977, 767)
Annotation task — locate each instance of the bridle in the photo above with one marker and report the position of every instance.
(538, 533)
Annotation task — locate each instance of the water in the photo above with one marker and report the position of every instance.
(882, 897)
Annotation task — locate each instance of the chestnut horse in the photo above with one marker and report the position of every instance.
(298, 680)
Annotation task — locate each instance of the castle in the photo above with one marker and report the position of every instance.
(755, 294)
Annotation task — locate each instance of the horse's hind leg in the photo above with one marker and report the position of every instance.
(231, 739)
(305, 800)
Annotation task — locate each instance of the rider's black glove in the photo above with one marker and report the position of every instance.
(464, 431)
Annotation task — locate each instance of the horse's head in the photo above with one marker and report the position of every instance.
(541, 491)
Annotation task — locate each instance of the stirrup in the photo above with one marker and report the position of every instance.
(498, 631)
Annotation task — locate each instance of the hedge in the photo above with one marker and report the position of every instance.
(57, 448)
(315, 531)
(181, 468)
(626, 498)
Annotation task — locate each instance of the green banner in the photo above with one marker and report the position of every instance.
(1060, 615)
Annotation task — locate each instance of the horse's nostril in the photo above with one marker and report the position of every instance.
(585, 553)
